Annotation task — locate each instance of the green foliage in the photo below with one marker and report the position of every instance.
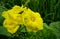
(55, 26)
(3, 31)
(1, 10)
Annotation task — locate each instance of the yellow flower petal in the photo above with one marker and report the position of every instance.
(10, 25)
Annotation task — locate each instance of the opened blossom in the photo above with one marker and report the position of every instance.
(32, 20)
(19, 15)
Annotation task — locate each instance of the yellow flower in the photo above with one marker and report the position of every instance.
(14, 13)
(21, 15)
(13, 17)
(10, 25)
(32, 20)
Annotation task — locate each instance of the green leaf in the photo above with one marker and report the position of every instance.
(3, 31)
(55, 26)
(22, 28)
(47, 32)
(1, 10)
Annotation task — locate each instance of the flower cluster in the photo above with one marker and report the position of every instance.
(22, 15)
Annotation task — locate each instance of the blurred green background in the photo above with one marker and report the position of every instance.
(49, 10)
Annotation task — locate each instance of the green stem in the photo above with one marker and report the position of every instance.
(26, 3)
